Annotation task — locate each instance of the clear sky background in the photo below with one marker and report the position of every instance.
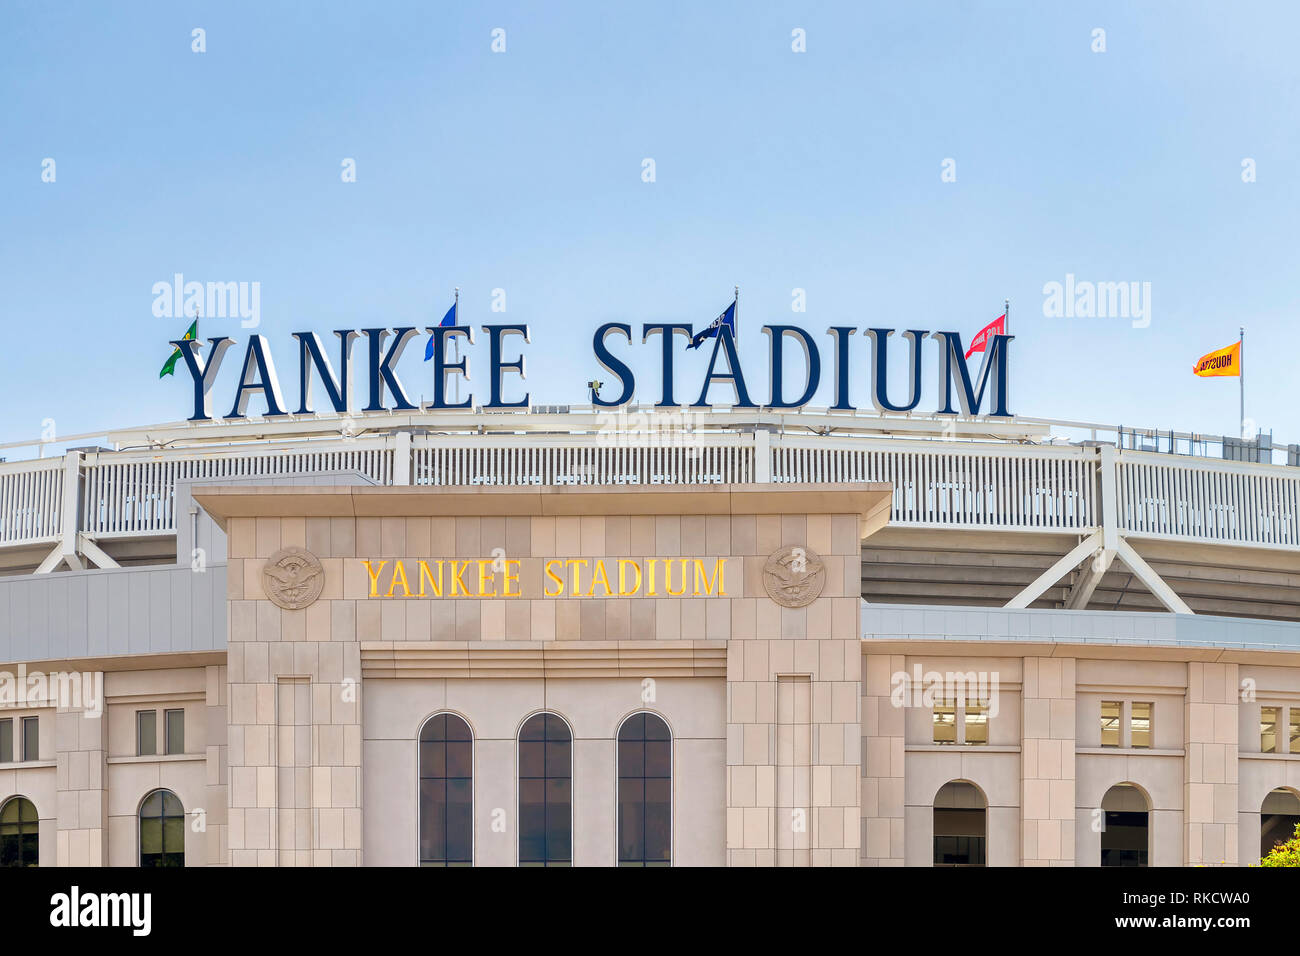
(775, 170)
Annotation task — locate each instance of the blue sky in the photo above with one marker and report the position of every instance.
(775, 170)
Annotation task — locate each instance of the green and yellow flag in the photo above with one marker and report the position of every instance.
(170, 365)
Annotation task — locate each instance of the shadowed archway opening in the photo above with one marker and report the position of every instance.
(960, 825)
(1278, 817)
(1125, 839)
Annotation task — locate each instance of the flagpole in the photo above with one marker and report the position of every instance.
(1241, 380)
(1006, 317)
(736, 313)
(455, 343)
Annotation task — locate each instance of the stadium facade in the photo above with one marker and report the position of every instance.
(572, 636)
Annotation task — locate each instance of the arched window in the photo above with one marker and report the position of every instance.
(19, 833)
(645, 792)
(1277, 819)
(162, 830)
(1125, 837)
(545, 792)
(446, 792)
(960, 825)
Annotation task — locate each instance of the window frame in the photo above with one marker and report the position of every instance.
(419, 777)
(167, 735)
(519, 790)
(34, 833)
(1279, 719)
(671, 778)
(139, 734)
(1151, 724)
(33, 721)
(7, 724)
(162, 825)
(1119, 725)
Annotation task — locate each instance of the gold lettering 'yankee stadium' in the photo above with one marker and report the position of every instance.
(561, 577)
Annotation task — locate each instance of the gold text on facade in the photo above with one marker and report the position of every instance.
(562, 577)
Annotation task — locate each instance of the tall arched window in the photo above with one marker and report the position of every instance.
(645, 792)
(446, 792)
(1278, 817)
(19, 833)
(960, 825)
(1125, 839)
(162, 830)
(545, 792)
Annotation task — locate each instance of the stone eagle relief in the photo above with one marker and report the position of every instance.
(293, 578)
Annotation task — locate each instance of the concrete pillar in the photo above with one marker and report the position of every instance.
(794, 724)
(882, 763)
(1047, 773)
(1211, 735)
(81, 750)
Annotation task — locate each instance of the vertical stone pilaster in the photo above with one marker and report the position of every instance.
(794, 724)
(1047, 764)
(294, 686)
(218, 790)
(81, 749)
(883, 754)
(1211, 737)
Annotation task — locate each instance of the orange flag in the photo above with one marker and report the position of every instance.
(1225, 361)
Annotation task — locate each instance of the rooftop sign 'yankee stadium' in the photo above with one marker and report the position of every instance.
(384, 347)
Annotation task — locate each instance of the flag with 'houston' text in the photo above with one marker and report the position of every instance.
(1224, 361)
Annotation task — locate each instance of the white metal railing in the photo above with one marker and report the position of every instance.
(945, 485)
(989, 485)
(132, 493)
(1225, 502)
(593, 459)
(31, 498)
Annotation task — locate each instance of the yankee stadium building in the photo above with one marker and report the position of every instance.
(659, 633)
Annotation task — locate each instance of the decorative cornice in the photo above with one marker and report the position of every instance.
(543, 659)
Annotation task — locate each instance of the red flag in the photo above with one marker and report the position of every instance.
(981, 340)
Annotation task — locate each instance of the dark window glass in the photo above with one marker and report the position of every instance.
(6, 740)
(146, 732)
(19, 836)
(31, 738)
(446, 792)
(545, 792)
(958, 851)
(645, 798)
(162, 830)
(176, 731)
(1124, 841)
(959, 836)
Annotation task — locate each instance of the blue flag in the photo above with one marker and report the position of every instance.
(447, 320)
(726, 320)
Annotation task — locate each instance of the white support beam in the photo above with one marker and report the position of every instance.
(1095, 570)
(96, 554)
(762, 455)
(52, 560)
(1154, 582)
(1109, 467)
(1057, 571)
(402, 458)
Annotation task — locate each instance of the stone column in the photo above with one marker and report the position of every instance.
(293, 676)
(81, 749)
(1211, 736)
(218, 790)
(1047, 762)
(883, 754)
(794, 724)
